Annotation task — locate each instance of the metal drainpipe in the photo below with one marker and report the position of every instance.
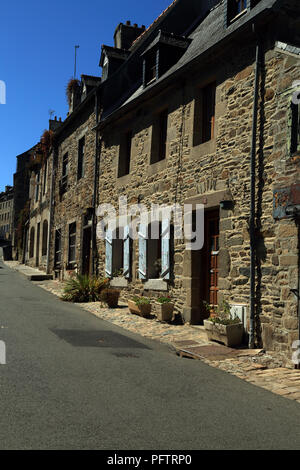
(51, 209)
(94, 241)
(297, 366)
(253, 194)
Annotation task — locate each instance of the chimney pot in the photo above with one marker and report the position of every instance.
(128, 23)
(135, 25)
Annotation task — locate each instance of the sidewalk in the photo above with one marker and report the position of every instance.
(32, 274)
(270, 370)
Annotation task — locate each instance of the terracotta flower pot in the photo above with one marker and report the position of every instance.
(143, 310)
(110, 297)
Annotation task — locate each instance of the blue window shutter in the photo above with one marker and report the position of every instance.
(108, 253)
(165, 249)
(126, 249)
(142, 251)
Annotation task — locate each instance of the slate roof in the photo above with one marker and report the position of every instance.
(207, 32)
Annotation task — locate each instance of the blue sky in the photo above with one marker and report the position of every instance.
(37, 40)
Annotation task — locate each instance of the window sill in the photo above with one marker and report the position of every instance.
(119, 282)
(237, 17)
(122, 180)
(204, 149)
(71, 267)
(157, 167)
(153, 80)
(156, 284)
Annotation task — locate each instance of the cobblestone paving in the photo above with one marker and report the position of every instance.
(269, 370)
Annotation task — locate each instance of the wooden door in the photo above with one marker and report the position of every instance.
(212, 257)
(86, 251)
(37, 261)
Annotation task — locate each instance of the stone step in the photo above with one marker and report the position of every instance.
(31, 274)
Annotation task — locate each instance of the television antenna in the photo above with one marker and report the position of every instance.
(76, 47)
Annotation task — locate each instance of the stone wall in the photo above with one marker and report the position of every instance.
(208, 173)
(71, 206)
(39, 216)
(6, 214)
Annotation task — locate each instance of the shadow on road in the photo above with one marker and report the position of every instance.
(97, 339)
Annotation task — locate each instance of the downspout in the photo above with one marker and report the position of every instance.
(51, 208)
(253, 192)
(25, 242)
(94, 241)
(297, 366)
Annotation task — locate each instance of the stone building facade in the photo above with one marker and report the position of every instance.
(6, 213)
(21, 204)
(37, 230)
(184, 136)
(75, 148)
(200, 109)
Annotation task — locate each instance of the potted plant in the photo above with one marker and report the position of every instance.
(140, 306)
(221, 326)
(81, 289)
(164, 309)
(110, 296)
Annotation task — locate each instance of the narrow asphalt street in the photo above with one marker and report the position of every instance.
(73, 381)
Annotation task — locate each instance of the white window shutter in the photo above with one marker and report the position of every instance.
(142, 251)
(108, 253)
(126, 253)
(165, 249)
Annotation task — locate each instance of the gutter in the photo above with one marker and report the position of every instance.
(252, 227)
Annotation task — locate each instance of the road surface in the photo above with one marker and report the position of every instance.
(73, 381)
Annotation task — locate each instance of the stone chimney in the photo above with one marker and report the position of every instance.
(54, 124)
(126, 33)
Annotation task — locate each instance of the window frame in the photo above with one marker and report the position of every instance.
(37, 186)
(295, 128)
(159, 141)
(125, 153)
(45, 177)
(45, 238)
(236, 9)
(31, 242)
(72, 236)
(57, 248)
(65, 172)
(81, 158)
(203, 132)
(151, 61)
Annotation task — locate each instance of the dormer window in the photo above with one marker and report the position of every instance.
(150, 67)
(111, 60)
(161, 55)
(105, 68)
(235, 8)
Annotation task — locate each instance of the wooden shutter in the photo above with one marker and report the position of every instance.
(165, 249)
(126, 255)
(108, 253)
(142, 251)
